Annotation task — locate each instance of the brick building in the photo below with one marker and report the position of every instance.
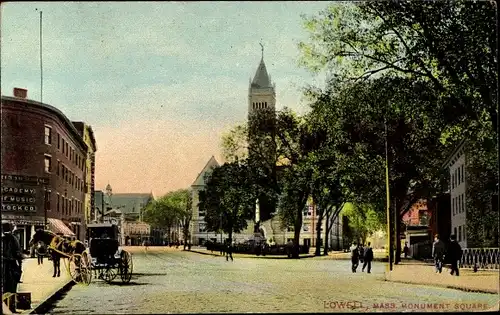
(43, 168)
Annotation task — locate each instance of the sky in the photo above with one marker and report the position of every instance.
(159, 82)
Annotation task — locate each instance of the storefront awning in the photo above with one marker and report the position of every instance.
(57, 226)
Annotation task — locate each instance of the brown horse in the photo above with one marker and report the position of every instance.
(57, 246)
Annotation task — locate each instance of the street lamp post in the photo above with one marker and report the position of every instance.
(388, 210)
(45, 205)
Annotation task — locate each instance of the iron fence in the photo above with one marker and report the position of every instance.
(480, 258)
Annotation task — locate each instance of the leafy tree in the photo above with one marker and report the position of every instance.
(228, 198)
(451, 44)
(359, 112)
(363, 220)
(170, 210)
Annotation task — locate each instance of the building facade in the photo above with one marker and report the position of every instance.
(43, 168)
(89, 186)
(458, 186)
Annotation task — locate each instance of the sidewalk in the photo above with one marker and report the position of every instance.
(203, 251)
(38, 280)
(377, 255)
(417, 272)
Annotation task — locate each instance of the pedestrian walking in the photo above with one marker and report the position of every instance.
(354, 256)
(454, 255)
(438, 251)
(229, 251)
(40, 250)
(12, 259)
(368, 258)
(406, 250)
(361, 253)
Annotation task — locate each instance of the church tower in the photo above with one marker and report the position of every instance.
(261, 117)
(261, 91)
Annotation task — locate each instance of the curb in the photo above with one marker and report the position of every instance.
(44, 306)
(447, 286)
(252, 257)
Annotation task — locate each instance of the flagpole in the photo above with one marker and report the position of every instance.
(41, 61)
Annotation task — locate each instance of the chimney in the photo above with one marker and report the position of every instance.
(21, 93)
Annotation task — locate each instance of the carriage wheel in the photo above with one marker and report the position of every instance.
(74, 268)
(85, 269)
(126, 267)
(110, 275)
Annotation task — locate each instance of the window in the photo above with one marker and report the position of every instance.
(453, 205)
(463, 174)
(58, 166)
(459, 176)
(459, 205)
(290, 229)
(306, 228)
(201, 227)
(201, 213)
(67, 149)
(48, 164)
(48, 135)
(455, 231)
(265, 104)
(465, 238)
(58, 203)
(460, 233)
(71, 154)
(463, 202)
(70, 207)
(63, 146)
(58, 141)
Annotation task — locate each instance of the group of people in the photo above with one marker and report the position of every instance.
(453, 254)
(361, 254)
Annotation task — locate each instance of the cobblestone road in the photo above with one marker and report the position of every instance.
(183, 282)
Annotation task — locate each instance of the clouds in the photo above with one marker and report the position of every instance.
(162, 64)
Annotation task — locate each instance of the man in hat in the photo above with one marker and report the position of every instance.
(11, 261)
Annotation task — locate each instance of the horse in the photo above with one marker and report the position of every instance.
(56, 245)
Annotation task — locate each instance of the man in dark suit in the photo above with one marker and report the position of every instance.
(454, 255)
(368, 253)
(438, 251)
(12, 259)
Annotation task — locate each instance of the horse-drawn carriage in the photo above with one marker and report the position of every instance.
(107, 259)
(103, 257)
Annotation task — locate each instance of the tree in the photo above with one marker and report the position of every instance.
(450, 44)
(363, 220)
(169, 210)
(228, 198)
(358, 113)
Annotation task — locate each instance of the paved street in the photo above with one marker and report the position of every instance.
(173, 281)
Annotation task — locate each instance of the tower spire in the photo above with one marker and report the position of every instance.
(262, 49)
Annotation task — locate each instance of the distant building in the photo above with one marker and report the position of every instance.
(417, 224)
(43, 168)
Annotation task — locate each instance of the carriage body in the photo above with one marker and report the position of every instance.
(107, 258)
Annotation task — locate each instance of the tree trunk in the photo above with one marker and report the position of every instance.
(398, 240)
(318, 236)
(327, 224)
(296, 235)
